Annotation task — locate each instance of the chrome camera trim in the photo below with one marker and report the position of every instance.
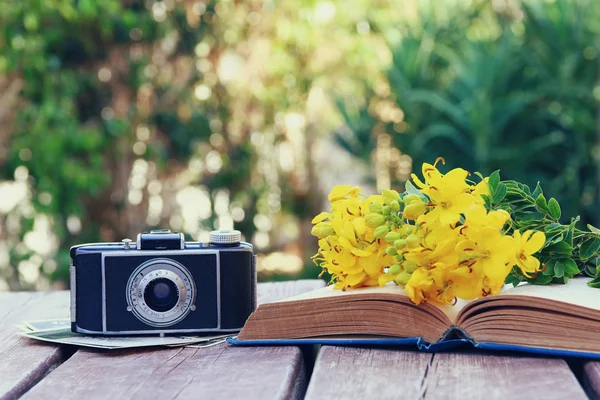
(160, 255)
(148, 272)
(73, 280)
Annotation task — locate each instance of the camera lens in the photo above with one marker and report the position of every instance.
(161, 294)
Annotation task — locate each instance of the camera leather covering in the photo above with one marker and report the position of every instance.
(89, 292)
(203, 268)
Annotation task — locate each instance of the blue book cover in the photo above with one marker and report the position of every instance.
(553, 320)
(417, 343)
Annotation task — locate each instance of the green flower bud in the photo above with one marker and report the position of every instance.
(411, 198)
(414, 210)
(389, 196)
(322, 229)
(395, 269)
(410, 266)
(408, 229)
(402, 278)
(399, 257)
(399, 244)
(391, 251)
(392, 237)
(375, 208)
(413, 241)
(386, 210)
(374, 220)
(380, 231)
(395, 206)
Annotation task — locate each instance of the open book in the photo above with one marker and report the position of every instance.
(553, 319)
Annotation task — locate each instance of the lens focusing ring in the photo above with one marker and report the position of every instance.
(225, 237)
(170, 272)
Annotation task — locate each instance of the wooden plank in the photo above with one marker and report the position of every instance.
(220, 372)
(591, 379)
(349, 373)
(362, 373)
(477, 375)
(217, 372)
(24, 362)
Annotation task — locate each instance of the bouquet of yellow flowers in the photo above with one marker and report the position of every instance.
(449, 237)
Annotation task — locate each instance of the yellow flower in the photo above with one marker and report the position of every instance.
(494, 253)
(477, 216)
(322, 229)
(347, 246)
(528, 244)
(419, 285)
(341, 191)
(479, 189)
(454, 248)
(449, 194)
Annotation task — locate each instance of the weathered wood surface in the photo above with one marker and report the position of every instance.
(218, 372)
(591, 379)
(24, 362)
(361, 373)
(351, 373)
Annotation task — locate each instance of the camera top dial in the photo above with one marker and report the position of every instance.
(225, 237)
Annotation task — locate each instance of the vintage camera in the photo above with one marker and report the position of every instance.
(162, 284)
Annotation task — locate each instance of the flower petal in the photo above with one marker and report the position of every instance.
(339, 192)
(535, 242)
(385, 278)
(355, 279)
(320, 218)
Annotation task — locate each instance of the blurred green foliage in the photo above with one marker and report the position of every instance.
(122, 115)
(80, 66)
(511, 88)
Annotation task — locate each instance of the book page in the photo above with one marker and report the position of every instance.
(450, 311)
(576, 292)
(328, 291)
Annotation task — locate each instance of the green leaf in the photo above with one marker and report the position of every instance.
(559, 270)
(541, 204)
(593, 229)
(589, 269)
(513, 279)
(411, 189)
(494, 181)
(554, 239)
(569, 235)
(589, 248)
(552, 226)
(595, 283)
(499, 193)
(540, 279)
(529, 216)
(569, 266)
(549, 267)
(537, 191)
(488, 201)
(554, 208)
(561, 248)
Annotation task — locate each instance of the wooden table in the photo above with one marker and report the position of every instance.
(35, 370)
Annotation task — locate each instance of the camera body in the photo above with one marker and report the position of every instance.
(161, 284)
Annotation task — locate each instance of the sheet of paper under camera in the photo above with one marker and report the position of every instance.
(63, 335)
